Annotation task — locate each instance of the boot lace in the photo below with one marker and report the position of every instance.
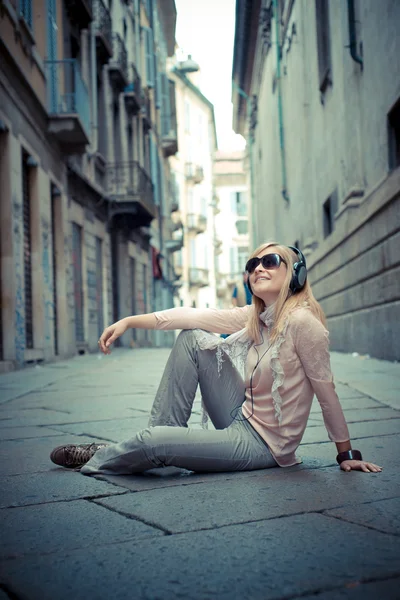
(80, 455)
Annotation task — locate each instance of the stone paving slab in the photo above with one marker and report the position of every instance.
(383, 515)
(383, 451)
(357, 590)
(42, 416)
(55, 485)
(356, 415)
(32, 456)
(361, 403)
(24, 433)
(74, 402)
(357, 430)
(36, 529)
(272, 493)
(237, 562)
(124, 428)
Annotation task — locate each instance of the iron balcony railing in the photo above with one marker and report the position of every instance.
(120, 55)
(67, 93)
(102, 19)
(129, 181)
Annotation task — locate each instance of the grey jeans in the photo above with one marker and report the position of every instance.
(233, 446)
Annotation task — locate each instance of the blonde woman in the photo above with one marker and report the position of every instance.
(257, 385)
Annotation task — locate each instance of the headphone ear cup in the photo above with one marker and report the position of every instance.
(299, 277)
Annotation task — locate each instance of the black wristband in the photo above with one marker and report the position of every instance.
(348, 455)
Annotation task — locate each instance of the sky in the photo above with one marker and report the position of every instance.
(206, 29)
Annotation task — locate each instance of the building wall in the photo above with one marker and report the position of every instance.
(336, 146)
(197, 144)
(68, 183)
(230, 180)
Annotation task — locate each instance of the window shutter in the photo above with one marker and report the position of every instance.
(166, 106)
(149, 48)
(154, 171)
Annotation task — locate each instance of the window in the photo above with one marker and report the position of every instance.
(243, 255)
(27, 241)
(166, 108)
(329, 210)
(323, 44)
(149, 49)
(242, 226)
(394, 136)
(25, 11)
(239, 204)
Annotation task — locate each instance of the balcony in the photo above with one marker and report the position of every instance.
(196, 223)
(118, 66)
(194, 173)
(80, 12)
(104, 41)
(169, 142)
(198, 277)
(176, 242)
(176, 224)
(131, 193)
(67, 105)
(218, 246)
(133, 92)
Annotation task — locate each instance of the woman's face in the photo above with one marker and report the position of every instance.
(267, 283)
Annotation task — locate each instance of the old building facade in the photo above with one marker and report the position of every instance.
(316, 93)
(87, 126)
(231, 222)
(192, 167)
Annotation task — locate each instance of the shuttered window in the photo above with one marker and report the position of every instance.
(77, 272)
(99, 285)
(149, 49)
(54, 198)
(166, 105)
(26, 206)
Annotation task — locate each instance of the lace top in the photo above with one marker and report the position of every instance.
(283, 382)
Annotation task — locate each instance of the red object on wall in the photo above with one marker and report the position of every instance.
(156, 261)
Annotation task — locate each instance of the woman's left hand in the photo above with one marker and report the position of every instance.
(360, 465)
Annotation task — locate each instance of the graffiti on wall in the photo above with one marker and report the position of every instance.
(19, 282)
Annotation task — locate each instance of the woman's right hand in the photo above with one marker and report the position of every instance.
(110, 334)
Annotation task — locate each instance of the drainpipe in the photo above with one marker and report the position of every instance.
(250, 144)
(352, 34)
(93, 77)
(280, 111)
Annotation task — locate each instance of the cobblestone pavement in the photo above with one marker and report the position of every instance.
(310, 531)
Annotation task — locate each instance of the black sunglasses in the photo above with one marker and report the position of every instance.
(268, 261)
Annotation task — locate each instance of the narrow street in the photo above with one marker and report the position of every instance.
(279, 533)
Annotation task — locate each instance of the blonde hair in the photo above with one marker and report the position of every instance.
(286, 301)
